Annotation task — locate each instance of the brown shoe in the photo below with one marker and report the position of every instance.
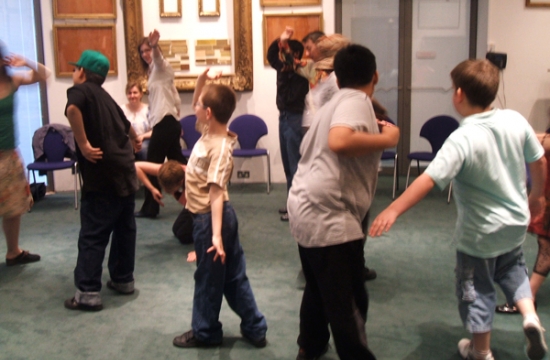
(72, 304)
(24, 258)
(188, 340)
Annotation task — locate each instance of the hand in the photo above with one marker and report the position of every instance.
(91, 154)
(157, 195)
(383, 222)
(137, 143)
(15, 61)
(217, 246)
(287, 34)
(154, 37)
(191, 256)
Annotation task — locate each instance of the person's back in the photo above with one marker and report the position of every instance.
(486, 156)
(106, 141)
(106, 128)
(489, 186)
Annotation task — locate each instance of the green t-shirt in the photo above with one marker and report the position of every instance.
(7, 132)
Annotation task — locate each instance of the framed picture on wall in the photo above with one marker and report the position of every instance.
(71, 40)
(209, 8)
(170, 8)
(537, 3)
(289, 2)
(96, 9)
(275, 24)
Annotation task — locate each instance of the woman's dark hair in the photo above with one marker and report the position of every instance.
(296, 47)
(145, 40)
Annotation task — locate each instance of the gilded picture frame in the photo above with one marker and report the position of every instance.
(241, 79)
(537, 3)
(98, 9)
(289, 2)
(70, 40)
(170, 13)
(209, 8)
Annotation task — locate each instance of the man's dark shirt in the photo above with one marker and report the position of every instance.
(106, 128)
(291, 87)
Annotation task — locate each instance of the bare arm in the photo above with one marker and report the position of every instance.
(538, 179)
(37, 72)
(154, 37)
(216, 203)
(77, 124)
(414, 193)
(136, 140)
(142, 169)
(348, 142)
(201, 81)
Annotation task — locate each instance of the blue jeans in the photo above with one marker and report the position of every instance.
(100, 216)
(475, 286)
(213, 280)
(290, 138)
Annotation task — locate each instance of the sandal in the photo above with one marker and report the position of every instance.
(24, 258)
(507, 309)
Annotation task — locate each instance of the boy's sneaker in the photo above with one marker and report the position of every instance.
(466, 350)
(188, 340)
(302, 355)
(536, 346)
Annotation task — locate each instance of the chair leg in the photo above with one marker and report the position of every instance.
(394, 176)
(450, 190)
(418, 166)
(268, 173)
(408, 174)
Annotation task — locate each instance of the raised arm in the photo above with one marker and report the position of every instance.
(348, 142)
(154, 37)
(201, 81)
(37, 72)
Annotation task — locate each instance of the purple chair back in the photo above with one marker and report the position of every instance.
(437, 129)
(54, 147)
(249, 128)
(190, 134)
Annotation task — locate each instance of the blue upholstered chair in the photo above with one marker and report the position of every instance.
(55, 152)
(190, 135)
(249, 129)
(436, 130)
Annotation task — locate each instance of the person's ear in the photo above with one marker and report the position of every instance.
(208, 113)
(375, 78)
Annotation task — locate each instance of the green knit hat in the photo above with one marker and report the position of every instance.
(93, 61)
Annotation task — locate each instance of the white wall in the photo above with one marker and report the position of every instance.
(261, 101)
(522, 32)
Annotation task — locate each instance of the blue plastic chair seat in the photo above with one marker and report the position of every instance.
(249, 152)
(50, 166)
(421, 156)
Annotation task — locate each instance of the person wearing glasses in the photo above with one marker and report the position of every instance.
(164, 102)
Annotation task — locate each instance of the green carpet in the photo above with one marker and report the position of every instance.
(413, 313)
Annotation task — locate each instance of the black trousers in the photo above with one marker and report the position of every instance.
(164, 143)
(183, 227)
(335, 294)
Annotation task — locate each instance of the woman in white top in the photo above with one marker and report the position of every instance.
(164, 102)
(137, 113)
